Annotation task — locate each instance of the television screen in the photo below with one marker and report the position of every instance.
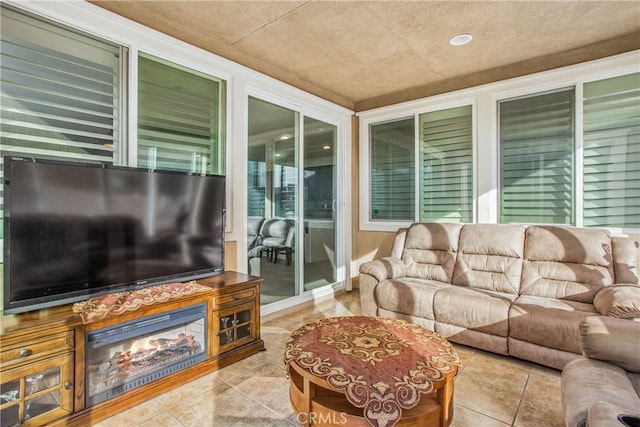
(76, 230)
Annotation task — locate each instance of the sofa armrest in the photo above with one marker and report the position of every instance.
(622, 301)
(384, 268)
(372, 273)
(612, 340)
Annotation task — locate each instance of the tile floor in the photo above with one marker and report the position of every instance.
(255, 391)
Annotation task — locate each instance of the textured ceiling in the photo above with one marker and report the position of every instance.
(367, 54)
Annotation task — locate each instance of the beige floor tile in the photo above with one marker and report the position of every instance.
(262, 417)
(189, 390)
(133, 416)
(259, 384)
(280, 403)
(492, 385)
(464, 353)
(463, 417)
(242, 366)
(163, 419)
(219, 407)
(540, 404)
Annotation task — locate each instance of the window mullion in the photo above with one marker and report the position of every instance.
(578, 182)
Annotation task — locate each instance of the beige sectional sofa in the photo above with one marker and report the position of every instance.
(509, 289)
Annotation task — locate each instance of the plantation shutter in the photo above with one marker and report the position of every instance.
(178, 119)
(612, 152)
(392, 171)
(59, 92)
(536, 158)
(446, 165)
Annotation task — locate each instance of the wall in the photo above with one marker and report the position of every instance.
(231, 255)
(367, 245)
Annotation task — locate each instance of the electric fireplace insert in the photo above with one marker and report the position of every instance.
(127, 355)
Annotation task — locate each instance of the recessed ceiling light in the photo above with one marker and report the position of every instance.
(460, 39)
(326, 147)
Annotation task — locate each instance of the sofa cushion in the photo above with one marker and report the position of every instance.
(566, 262)
(612, 340)
(548, 322)
(470, 308)
(618, 301)
(626, 257)
(490, 257)
(430, 250)
(409, 296)
(472, 338)
(543, 355)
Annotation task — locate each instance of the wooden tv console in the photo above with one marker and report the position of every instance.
(53, 340)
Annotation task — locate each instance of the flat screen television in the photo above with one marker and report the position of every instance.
(74, 230)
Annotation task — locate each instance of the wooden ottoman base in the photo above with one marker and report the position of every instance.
(317, 404)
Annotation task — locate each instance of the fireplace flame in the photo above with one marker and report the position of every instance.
(137, 347)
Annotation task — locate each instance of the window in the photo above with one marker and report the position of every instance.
(612, 152)
(566, 152)
(180, 118)
(393, 170)
(537, 147)
(446, 165)
(60, 92)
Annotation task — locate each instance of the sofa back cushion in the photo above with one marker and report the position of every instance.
(430, 250)
(626, 257)
(398, 243)
(566, 262)
(490, 257)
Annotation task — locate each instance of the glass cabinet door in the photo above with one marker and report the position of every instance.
(234, 327)
(37, 393)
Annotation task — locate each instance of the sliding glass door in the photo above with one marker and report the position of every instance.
(319, 198)
(291, 201)
(272, 205)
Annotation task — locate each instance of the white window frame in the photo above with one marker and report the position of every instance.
(485, 115)
(380, 116)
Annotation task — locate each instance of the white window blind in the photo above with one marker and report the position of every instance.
(393, 170)
(536, 158)
(612, 152)
(446, 165)
(180, 123)
(59, 92)
(257, 172)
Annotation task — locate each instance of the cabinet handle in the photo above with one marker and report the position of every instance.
(25, 352)
(236, 297)
(68, 385)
